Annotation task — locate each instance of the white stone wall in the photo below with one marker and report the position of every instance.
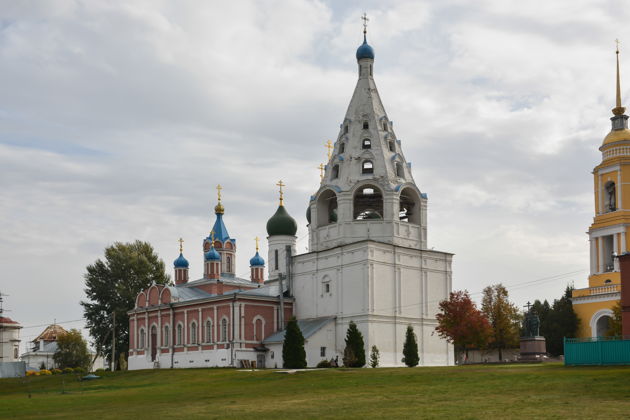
(9, 341)
(185, 359)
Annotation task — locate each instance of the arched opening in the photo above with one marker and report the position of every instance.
(193, 332)
(367, 167)
(602, 326)
(275, 259)
(179, 335)
(166, 340)
(258, 329)
(367, 144)
(342, 148)
(409, 206)
(154, 345)
(366, 125)
(392, 146)
(224, 330)
(400, 173)
(368, 203)
(610, 203)
(335, 172)
(345, 129)
(142, 339)
(228, 264)
(384, 125)
(208, 331)
(327, 208)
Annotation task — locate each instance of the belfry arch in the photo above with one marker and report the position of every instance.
(326, 208)
(367, 203)
(409, 209)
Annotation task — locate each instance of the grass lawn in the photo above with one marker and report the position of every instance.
(466, 392)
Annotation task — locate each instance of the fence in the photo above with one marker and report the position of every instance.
(12, 369)
(597, 351)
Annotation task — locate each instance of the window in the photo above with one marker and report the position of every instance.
(179, 335)
(368, 203)
(327, 208)
(367, 167)
(142, 338)
(608, 281)
(335, 172)
(166, 340)
(366, 125)
(345, 129)
(384, 125)
(16, 352)
(342, 148)
(208, 331)
(322, 351)
(399, 170)
(229, 264)
(224, 333)
(607, 253)
(367, 144)
(275, 258)
(326, 287)
(392, 147)
(193, 332)
(409, 206)
(610, 203)
(258, 329)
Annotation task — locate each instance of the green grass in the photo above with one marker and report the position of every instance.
(468, 392)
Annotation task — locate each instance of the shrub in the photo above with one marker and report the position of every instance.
(32, 373)
(354, 353)
(324, 364)
(45, 372)
(374, 357)
(410, 349)
(56, 371)
(293, 354)
(68, 370)
(99, 371)
(79, 370)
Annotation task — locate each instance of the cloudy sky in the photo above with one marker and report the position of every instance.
(117, 120)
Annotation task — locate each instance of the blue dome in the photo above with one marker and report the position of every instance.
(257, 261)
(212, 255)
(180, 262)
(365, 51)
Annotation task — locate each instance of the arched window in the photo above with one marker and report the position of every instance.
(258, 329)
(342, 148)
(368, 203)
(409, 206)
(326, 208)
(367, 144)
(228, 264)
(392, 146)
(603, 326)
(384, 125)
(142, 339)
(224, 330)
(345, 129)
(367, 167)
(165, 340)
(193, 332)
(179, 335)
(335, 172)
(208, 331)
(611, 197)
(399, 170)
(366, 125)
(275, 258)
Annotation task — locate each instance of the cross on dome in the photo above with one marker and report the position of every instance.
(321, 171)
(365, 20)
(281, 184)
(256, 239)
(181, 246)
(329, 146)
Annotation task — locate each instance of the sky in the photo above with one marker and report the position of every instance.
(118, 119)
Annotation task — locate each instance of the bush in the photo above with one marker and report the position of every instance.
(68, 370)
(324, 364)
(79, 370)
(293, 354)
(100, 371)
(45, 372)
(354, 353)
(56, 371)
(410, 348)
(32, 373)
(375, 357)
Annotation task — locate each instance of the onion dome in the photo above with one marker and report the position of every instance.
(281, 223)
(212, 255)
(257, 261)
(365, 50)
(180, 262)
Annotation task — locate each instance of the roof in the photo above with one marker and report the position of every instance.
(615, 136)
(51, 333)
(188, 291)
(7, 320)
(220, 231)
(307, 326)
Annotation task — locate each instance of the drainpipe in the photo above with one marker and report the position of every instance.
(233, 328)
(170, 339)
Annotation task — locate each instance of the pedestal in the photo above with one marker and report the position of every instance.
(532, 348)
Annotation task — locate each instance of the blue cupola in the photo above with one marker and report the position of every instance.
(212, 255)
(180, 262)
(257, 261)
(365, 50)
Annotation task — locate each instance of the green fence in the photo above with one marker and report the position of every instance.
(597, 351)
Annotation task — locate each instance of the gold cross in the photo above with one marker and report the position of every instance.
(280, 184)
(212, 236)
(321, 171)
(329, 146)
(256, 239)
(365, 20)
(219, 188)
(181, 247)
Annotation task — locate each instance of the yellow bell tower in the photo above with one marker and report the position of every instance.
(609, 234)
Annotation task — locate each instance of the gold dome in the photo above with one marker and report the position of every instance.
(218, 209)
(616, 135)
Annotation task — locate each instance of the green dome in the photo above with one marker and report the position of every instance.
(281, 223)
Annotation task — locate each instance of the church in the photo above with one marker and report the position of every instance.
(368, 262)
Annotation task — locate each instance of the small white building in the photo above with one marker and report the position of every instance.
(9, 340)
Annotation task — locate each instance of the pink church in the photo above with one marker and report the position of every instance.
(218, 320)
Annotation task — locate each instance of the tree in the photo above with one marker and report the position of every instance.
(461, 323)
(112, 286)
(375, 357)
(503, 316)
(614, 328)
(410, 348)
(72, 351)
(560, 322)
(354, 353)
(293, 354)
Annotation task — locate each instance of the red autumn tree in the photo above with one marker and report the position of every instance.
(461, 323)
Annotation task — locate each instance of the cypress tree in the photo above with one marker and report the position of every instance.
(410, 349)
(354, 353)
(293, 354)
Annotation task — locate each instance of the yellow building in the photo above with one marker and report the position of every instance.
(608, 235)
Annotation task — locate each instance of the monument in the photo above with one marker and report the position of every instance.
(533, 345)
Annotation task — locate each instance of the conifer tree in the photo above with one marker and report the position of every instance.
(410, 348)
(375, 356)
(354, 353)
(293, 354)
